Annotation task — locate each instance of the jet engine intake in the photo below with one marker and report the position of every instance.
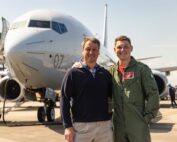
(161, 81)
(11, 89)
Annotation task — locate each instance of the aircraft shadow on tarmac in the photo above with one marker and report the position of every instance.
(20, 120)
(55, 126)
(165, 105)
(161, 127)
(58, 128)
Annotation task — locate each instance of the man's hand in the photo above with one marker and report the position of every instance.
(69, 134)
(77, 65)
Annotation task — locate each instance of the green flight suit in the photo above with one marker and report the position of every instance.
(135, 102)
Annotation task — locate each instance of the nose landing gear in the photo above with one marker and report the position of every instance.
(48, 111)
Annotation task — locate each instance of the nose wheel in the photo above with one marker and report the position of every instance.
(41, 114)
(50, 114)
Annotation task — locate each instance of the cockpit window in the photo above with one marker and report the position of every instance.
(59, 27)
(17, 25)
(39, 24)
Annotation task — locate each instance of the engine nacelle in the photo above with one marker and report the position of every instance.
(161, 81)
(14, 89)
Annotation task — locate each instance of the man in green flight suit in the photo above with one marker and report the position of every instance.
(135, 95)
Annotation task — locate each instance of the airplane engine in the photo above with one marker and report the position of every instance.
(161, 81)
(14, 91)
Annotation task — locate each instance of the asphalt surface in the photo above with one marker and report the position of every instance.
(22, 125)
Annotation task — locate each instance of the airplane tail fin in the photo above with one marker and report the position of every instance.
(105, 36)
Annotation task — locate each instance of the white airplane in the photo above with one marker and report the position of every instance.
(39, 47)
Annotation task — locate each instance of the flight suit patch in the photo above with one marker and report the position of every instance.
(128, 75)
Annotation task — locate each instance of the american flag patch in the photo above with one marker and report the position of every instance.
(128, 75)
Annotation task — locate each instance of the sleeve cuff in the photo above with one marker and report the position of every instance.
(148, 118)
(67, 125)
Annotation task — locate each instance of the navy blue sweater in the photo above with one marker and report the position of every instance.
(84, 98)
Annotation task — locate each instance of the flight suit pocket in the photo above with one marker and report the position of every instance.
(138, 109)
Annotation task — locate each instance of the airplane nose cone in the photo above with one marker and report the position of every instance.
(21, 40)
(13, 42)
(21, 48)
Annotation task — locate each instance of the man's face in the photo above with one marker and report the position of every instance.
(90, 52)
(123, 49)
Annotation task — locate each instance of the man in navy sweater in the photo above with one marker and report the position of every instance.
(84, 98)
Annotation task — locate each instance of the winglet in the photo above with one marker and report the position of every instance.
(104, 40)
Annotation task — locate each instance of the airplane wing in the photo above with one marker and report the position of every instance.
(167, 70)
(147, 58)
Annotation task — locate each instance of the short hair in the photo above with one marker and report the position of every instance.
(122, 38)
(92, 39)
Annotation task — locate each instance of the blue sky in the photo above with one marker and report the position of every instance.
(151, 24)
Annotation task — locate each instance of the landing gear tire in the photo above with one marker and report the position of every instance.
(50, 114)
(41, 114)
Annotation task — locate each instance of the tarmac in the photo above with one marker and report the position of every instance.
(22, 125)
